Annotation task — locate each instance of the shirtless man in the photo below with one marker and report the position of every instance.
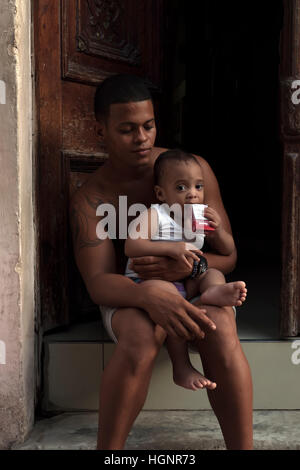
(126, 124)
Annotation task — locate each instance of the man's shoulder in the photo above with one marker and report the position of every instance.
(201, 159)
(91, 193)
(158, 150)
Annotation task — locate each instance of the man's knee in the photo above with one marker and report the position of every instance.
(225, 336)
(139, 355)
(140, 346)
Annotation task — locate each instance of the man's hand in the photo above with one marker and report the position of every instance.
(175, 315)
(161, 267)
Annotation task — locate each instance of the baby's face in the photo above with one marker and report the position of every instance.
(181, 183)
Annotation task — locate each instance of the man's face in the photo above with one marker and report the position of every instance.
(129, 132)
(181, 183)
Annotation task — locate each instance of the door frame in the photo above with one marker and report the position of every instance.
(290, 137)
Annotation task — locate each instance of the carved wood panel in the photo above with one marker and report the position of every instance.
(78, 43)
(103, 30)
(103, 37)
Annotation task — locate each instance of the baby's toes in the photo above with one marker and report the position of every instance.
(199, 384)
(195, 386)
(212, 386)
(203, 381)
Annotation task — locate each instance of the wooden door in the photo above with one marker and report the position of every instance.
(290, 133)
(78, 43)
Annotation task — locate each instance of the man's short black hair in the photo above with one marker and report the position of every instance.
(121, 88)
(171, 156)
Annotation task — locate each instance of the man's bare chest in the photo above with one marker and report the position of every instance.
(126, 201)
(141, 194)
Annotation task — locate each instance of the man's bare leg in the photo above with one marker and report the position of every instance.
(224, 362)
(125, 380)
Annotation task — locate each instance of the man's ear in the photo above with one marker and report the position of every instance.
(99, 128)
(160, 195)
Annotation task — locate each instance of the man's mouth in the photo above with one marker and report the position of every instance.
(142, 151)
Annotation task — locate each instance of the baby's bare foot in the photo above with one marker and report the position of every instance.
(230, 294)
(190, 378)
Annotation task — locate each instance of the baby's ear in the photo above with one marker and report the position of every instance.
(159, 192)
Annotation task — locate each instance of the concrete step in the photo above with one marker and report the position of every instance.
(75, 360)
(164, 430)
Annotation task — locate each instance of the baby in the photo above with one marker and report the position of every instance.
(178, 180)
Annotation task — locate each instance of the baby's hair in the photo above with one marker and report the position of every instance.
(174, 155)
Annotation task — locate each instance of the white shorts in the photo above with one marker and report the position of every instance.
(107, 313)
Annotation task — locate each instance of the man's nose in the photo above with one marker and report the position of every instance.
(140, 135)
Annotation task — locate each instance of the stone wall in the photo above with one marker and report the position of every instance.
(17, 239)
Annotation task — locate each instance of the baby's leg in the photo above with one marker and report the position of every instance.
(184, 374)
(215, 290)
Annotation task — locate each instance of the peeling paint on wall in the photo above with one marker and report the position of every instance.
(2, 352)
(2, 92)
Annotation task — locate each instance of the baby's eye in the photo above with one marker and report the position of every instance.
(199, 186)
(181, 187)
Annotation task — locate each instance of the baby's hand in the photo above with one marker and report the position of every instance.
(213, 217)
(179, 250)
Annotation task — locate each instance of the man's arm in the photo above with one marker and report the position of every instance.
(95, 258)
(225, 263)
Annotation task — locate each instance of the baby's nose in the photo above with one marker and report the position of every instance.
(192, 194)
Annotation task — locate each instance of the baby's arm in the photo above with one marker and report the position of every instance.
(220, 240)
(142, 246)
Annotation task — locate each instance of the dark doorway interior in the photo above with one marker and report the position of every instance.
(223, 89)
